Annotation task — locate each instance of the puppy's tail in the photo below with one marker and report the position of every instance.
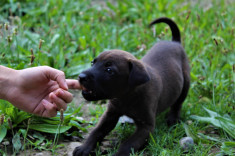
(174, 28)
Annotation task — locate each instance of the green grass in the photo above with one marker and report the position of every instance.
(75, 31)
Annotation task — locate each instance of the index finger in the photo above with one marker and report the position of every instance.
(73, 84)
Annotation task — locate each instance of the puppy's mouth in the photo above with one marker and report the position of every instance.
(86, 91)
(91, 93)
(88, 94)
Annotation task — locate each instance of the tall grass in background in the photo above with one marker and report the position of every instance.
(68, 34)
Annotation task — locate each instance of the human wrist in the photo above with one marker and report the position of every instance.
(7, 76)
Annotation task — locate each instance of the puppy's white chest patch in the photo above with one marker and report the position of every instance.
(126, 119)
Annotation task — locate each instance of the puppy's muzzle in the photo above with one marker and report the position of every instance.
(83, 78)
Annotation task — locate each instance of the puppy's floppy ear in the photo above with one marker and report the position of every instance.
(138, 74)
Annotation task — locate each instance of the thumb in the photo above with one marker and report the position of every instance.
(56, 75)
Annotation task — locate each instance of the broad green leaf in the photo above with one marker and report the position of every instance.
(16, 142)
(227, 121)
(76, 124)
(11, 111)
(3, 132)
(48, 128)
(227, 124)
(39, 136)
(23, 132)
(21, 116)
(52, 121)
(208, 137)
(67, 117)
(207, 119)
(211, 113)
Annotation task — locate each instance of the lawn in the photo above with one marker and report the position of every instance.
(68, 34)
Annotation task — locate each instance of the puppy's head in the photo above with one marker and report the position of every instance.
(112, 74)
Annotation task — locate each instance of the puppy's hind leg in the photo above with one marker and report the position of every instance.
(136, 141)
(174, 114)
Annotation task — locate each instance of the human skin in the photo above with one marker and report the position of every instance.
(38, 90)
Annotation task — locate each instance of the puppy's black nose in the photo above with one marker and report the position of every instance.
(83, 77)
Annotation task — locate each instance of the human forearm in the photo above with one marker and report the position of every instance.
(6, 81)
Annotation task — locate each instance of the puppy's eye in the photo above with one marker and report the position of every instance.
(109, 70)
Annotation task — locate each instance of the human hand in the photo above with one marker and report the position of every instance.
(40, 90)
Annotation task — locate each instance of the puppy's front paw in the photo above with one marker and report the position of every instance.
(81, 151)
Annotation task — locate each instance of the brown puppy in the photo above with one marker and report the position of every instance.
(139, 89)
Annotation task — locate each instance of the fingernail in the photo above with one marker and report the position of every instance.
(54, 96)
(61, 92)
(66, 85)
(51, 95)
